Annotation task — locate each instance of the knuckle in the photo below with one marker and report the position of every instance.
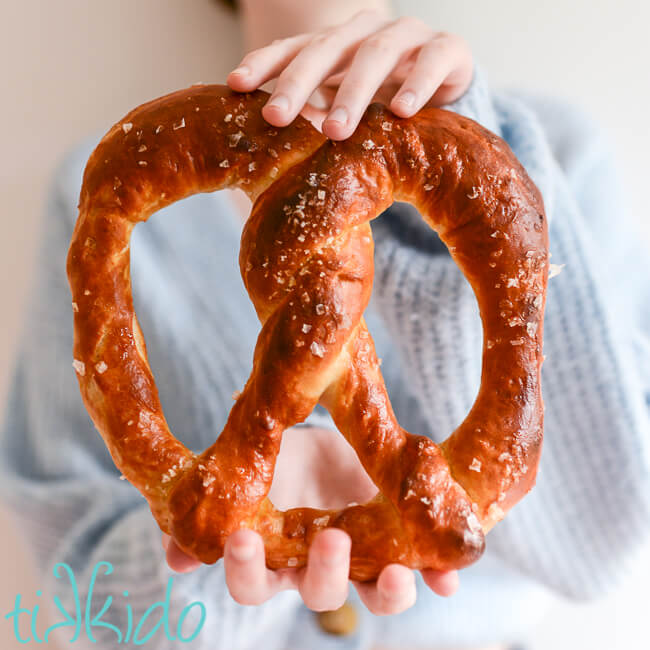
(378, 44)
(444, 36)
(289, 81)
(367, 14)
(412, 22)
(449, 41)
(438, 47)
(322, 40)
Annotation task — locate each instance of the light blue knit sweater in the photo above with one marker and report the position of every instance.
(577, 533)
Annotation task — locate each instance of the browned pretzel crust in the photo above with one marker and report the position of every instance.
(307, 262)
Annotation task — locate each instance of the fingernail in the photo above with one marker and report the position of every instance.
(242, 70)
(338, 115)
(242, 552)
(281, 102)
(407, 98)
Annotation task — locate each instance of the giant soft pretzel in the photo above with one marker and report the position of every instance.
(307, 262)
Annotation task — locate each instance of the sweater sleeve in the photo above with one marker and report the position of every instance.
(63, 488)
(584, 525)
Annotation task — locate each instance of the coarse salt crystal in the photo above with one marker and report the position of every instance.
(142, 147)
(321, 521)
(554, 269)
(476, 465)
(228, 117)
(79, 366)
(531, 328)
(127, 126)
(292, 561)
(234, 138)
(101, 367)
(224, 163)
(75, 307)
(179, 125)
(306, 328)
(251, 167)
(317, 349)
(495, 512)
(321, 194)
(368, 145)
(320, 309)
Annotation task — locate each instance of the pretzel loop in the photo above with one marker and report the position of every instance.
(307, 262)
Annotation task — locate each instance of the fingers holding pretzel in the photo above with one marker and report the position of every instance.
(402, 62)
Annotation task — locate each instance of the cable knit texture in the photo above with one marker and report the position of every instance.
(577, 533)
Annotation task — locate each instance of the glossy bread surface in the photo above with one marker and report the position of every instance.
(307, 262)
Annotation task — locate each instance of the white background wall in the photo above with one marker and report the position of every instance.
(72, 67)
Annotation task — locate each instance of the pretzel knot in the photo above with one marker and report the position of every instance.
(307, 262)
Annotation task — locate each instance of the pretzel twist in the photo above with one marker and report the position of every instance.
(307, 262)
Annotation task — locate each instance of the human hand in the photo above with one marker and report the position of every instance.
(315, 468)
(331, 76)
